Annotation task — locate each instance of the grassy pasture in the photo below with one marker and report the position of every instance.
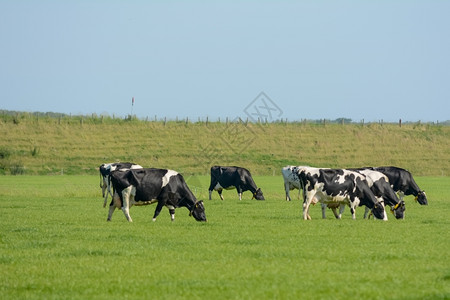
(55, 243)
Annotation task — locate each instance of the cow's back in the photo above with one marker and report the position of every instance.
(336, 181)
(399, 178)
(148, 182)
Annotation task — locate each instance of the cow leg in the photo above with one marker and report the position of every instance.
(239, 190)
(306, 205)
(106, 199)
(219, 191)
(158, 208)
(126, 203)
(366, 213)
(103, 186)
(287, 188)
(384, 208)
(336, 215)
(115, 203)
(171, 212)
(104, 192)
(353, 211)
(210, 192)
(112, 207)
(341, 210)
(324, 207)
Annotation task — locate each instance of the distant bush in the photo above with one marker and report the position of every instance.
(34, 151)
(17, 169)
(4, 153)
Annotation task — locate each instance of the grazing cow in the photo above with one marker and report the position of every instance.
(148, 186)
(403, 183)
(105, 171)
(233, 177)
(292, 181)
(379, 184)
(337, 186)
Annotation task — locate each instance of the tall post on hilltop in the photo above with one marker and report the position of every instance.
(132, 104)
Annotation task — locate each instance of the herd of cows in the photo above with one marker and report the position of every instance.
(373, 187)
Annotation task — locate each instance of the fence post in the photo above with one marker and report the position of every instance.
(400, 123)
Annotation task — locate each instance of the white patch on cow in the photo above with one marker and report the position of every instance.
(374, 175)
(341, 178)
(166, 177)
(312, 171)
(218, 187)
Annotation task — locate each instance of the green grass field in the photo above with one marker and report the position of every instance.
(55, 243)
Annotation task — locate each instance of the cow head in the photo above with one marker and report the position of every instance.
(378, 210)
(258, 195)
(422, 198)
(399, 210)
(198, 211)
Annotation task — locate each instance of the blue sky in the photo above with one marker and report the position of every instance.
(371, 60)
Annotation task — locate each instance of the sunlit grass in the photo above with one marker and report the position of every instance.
(55, 243)
(48, 147)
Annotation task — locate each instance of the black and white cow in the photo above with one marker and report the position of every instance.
(148, 186)
(337, 186)
(377, 182)
(291, 180)
(105, 171)
(381, 188)
(403, 183)
(233, 177)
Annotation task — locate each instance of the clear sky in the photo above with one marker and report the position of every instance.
(371, 60)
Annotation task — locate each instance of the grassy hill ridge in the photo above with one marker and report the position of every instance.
(79, 145)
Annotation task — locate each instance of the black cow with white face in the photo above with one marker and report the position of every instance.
(233, 177)
(148, 186)
(337, 187)
(105, 171)
(403, 183)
